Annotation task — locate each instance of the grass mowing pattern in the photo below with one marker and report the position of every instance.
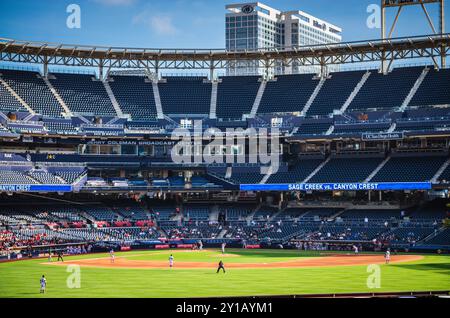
(21, 279)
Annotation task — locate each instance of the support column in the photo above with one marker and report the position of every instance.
(46, 66)
(100, 70)
(211, 71)
(383, 37)
(157, 70)
(442, 30)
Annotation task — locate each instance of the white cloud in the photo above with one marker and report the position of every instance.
(116, 2)
(160, 24)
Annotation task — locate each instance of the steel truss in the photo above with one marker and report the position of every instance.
(46, 54)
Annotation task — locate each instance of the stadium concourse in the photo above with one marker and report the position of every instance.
(86, 160)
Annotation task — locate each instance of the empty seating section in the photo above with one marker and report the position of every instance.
(83, 94)
(8, 102)
(380, 92)
(237, 212)
(193, 231)
(408, 235)
(297, 173)
(60, 127)
(319, 213)
(442, 238)
(34, 91)
(15, 177)
(313, 128)
(100, 213)
(334, 92)
(197, 212)
(164, 212)
(346, 170)
(372, 214)
(132, 211)
(434, 90)
(287, 94)
(361, 128)
(45, 178)
(423, 124)
(246, 178)
(409, 169)
(185, 95)
(236, 95)
(135, 96)
(264, 213)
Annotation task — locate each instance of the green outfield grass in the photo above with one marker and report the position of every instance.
(21, 279)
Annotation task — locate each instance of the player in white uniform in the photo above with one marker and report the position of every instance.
(355, 248)
(387, 256)
(43, 282)
(111, 255)
(171, 261)
(223, 247)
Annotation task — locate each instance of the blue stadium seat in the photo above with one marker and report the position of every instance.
(185, 95)
(236, 95)
(135, 96)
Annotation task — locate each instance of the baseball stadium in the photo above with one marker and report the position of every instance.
(291, 163)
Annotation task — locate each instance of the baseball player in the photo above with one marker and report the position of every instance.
(111, 255)
(43, 282)
(387, 256)
(60, 257)
(223, 247)
(355, 248)
(221, 267)
(171, 261)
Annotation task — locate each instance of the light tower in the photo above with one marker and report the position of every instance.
(400, 4)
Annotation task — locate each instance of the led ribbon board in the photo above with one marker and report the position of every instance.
(35, 188)
(337, 186)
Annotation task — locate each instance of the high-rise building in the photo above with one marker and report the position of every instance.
(254, 25)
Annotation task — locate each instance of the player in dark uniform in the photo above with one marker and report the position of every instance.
(221, 267)
(60, 256)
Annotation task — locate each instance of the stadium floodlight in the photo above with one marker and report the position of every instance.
(400, 4)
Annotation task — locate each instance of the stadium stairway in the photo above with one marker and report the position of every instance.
(159, 110)
(213, 106)
(355, 92)
(57, 96)
(258, 98)
(214, 214)
(317, 170)
(267, 175)
(113, 99)
(392, 128)
(440, 171)
(313, 96)
(330, 130)
(432, 235)
(382, 164)
(16, 96)
(414, 89)
(222, 233)
(249, 218)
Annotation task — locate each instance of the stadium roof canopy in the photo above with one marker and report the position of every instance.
(431, 46)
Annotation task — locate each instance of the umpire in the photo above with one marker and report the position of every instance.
(221, 267)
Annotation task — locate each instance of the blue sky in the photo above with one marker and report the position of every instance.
(176, 23)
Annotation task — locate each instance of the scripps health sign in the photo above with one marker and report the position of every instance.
(337, 186)
(35, 188)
